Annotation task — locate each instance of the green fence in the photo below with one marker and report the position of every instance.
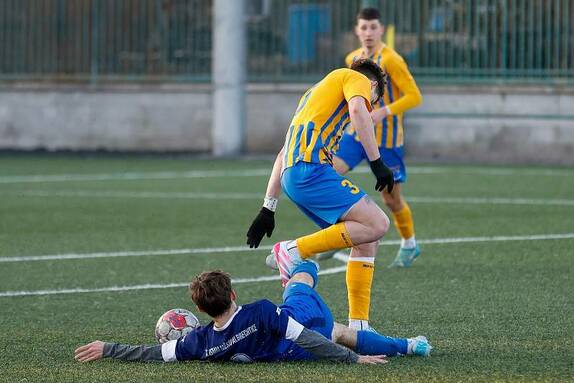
(97, 41)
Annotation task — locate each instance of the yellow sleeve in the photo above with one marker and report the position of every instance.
(410, 94)
(357, 84)
(349, 60)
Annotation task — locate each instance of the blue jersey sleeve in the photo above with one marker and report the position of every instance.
(273, 319)
(192, 346)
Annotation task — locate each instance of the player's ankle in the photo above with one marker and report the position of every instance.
(408, 243)
(293, 250)
(358, 324)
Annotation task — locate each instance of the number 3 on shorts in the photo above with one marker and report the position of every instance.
(349, 184)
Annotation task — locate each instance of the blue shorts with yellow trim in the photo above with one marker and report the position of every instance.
(319, 192)
(352, 153)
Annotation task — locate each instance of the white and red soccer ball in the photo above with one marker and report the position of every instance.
(174, 324)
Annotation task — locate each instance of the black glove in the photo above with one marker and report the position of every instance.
(263, 223)
(384, 175)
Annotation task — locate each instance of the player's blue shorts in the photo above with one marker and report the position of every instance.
(352, 153)
(306, 306)
(320, 193)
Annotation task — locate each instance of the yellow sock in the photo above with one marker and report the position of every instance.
(403, 220)
(359, 280)
(332, 238)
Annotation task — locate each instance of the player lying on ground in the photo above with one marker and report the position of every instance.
(299, 329)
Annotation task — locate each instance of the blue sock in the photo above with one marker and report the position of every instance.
(371, 343)
(310, 268)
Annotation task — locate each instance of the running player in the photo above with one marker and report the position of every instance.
(303, 169)
(401, 95)
(299, 329)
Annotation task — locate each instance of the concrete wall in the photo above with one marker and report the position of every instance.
(128, 119)
(500, 124)
(487, 124)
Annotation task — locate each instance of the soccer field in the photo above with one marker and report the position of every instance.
(99, 247)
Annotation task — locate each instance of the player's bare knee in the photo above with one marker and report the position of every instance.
(380, 226)
(302, 278)
(344, 336)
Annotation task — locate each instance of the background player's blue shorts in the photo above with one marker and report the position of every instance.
(306, 306)
(320, 193)
(351, 151)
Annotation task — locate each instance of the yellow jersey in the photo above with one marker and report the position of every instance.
(321, 117)
(401, 94)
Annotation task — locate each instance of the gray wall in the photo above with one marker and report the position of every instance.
(472, 123)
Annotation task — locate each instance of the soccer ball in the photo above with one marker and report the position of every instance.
(174, 324)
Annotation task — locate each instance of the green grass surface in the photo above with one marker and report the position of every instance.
(494, 310)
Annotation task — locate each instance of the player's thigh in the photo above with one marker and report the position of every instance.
(367, 212)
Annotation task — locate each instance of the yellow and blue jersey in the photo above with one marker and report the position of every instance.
(401, 94)
(322, 115)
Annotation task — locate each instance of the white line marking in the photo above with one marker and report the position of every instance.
(207, 250)
(127, 176)
(492, 201)
(333, 270)
(231, 249)
(249, 196)
(123, 194)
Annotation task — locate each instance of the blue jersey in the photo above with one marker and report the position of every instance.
(259, 331)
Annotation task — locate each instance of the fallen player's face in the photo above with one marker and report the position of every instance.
(369, 32)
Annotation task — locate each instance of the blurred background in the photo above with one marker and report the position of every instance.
(224, 76)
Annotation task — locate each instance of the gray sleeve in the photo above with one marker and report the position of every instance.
(323, 348)
(133, 353)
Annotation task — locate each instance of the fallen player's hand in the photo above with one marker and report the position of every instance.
(383, 174)
(90, 351)
(372, 359)
(263, 224)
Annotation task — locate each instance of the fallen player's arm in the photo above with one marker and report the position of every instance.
(98, 350)
(309, 340)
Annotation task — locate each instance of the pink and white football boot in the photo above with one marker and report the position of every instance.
(285, 258)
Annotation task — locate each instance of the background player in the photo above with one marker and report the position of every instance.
(299, 329)
(401, 95)
(347, 215)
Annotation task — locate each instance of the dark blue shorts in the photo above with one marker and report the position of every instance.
(306, 306)
(352, 153)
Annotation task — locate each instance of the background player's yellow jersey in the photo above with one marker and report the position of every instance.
(321, 116)
(401, 94)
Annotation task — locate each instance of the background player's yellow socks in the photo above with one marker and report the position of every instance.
(359, 279)
(403, 220)
(332, 238)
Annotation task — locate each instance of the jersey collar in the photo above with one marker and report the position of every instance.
(215, 328)
(377, 53)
